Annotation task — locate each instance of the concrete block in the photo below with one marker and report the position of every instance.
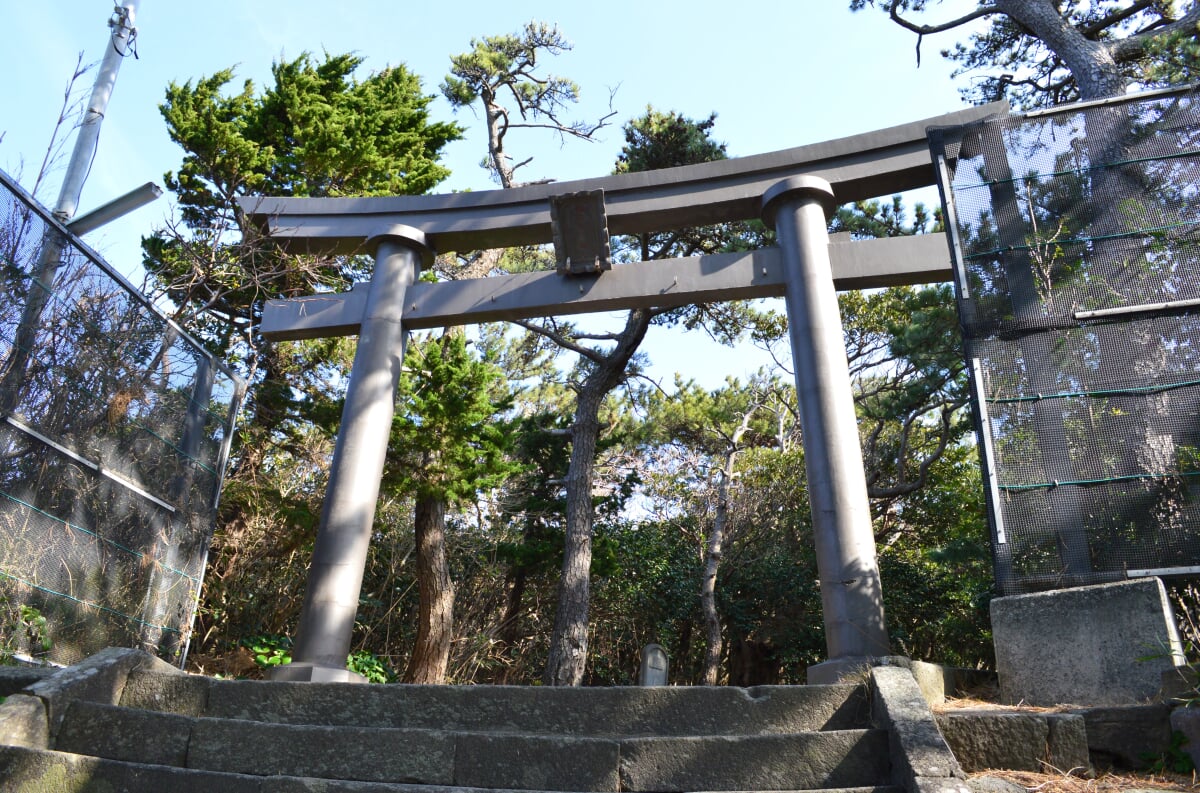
(849, 758)
(539, 762)
(1086, 646)
(23, 722)
(350, 753)
(118, 733)
(1127, 737)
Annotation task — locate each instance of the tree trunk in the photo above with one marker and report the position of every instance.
(431, 654)
(568, 643)
(1091, 62)
(712, 561)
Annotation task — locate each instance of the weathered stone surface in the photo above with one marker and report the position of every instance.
(934, 680)
(991, 784)
(99, 678)
(15, 678)
(186, 695)
(1187, 722)
(918, 750)
(1066, 745)
(24, 770)
(536, 762)
(23, 722)
(937, 682)
(1127, 737)
(1087, 645)
(768, 762)
(940, 785)
(1181, 683)
(666, 710)
(983, 740)
(351, 753)
(118, 733)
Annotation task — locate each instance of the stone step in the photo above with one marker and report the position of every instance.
(23, 770)
(807, 760)
(625, 711)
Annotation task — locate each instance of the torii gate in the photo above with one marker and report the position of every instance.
(792, 190)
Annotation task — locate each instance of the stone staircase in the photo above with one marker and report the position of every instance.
(124, 721)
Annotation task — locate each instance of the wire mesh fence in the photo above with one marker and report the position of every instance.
(1076, 236)
(114, 430)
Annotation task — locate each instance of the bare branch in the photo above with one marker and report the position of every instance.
(1116, 17)
(923, 30)
(561, 340)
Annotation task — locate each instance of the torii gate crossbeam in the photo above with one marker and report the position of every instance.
(793, 190)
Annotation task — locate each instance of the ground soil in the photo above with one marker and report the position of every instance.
(1104, 783)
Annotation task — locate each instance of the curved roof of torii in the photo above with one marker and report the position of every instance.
(868, 165)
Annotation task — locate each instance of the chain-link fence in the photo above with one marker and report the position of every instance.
(114, 431)
(1076, 236)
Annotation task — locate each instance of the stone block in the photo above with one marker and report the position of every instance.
(1103, 645)
(349, 753)
(536, 762)
(1186, 721)
(1127, 737)
(939, 682)
(935, 681)
(23, 722)
(119, 733)
(1067, 745)
(186, 695)
(848, 758)
(98, 678)
(24, 770)
(15, 678)
(983, 740)
(918, 750)
(599, 712)
(1181, 684)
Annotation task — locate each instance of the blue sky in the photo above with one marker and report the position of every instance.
(779, 73)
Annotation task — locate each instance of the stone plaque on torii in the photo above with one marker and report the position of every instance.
(793, 191)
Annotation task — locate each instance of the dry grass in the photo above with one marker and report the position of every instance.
(1105, 783)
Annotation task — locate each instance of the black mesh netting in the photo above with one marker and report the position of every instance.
(114, 427)
(1077, 246)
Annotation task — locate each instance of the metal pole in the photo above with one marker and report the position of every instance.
(340, 554)
(12, 371)
(120, 45)
(837, 489)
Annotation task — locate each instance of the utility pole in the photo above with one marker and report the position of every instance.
(122, 38)
(121, 44)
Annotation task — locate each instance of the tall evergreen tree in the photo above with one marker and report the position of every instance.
(316, 130)
(449, 443)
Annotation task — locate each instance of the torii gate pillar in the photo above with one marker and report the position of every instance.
(340, 554)
(851, 595)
